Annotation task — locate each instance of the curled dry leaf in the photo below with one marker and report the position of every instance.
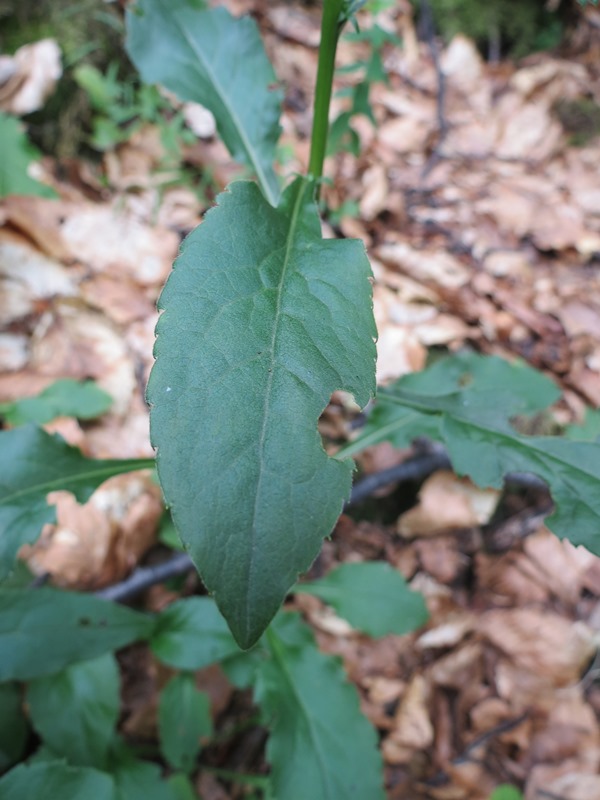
(446, 501)
(200, 120)
(549, 646)
(459, 668)
(27, 277)
(574, 786)
(75, 341)
(29, 76)
(463, 66)
(111, 241)
(98, 543)
(435, 266)
(413, 729)
(375, 192)
(14, 351)
(449, 633)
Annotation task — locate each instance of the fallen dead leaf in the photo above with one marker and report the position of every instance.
(413, 729)
(28, 77)
(446, 501)
(27, 277)
(74, 341)
(549, 646)
(98, 543)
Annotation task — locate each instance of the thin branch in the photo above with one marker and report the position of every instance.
(440, 778)
(430, 458)
(143, 578)
(413, 469)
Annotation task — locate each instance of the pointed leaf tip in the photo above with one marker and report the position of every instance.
(263, 320)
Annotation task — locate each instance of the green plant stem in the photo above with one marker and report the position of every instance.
(330, 31)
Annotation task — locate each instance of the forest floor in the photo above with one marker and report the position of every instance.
(482, 222)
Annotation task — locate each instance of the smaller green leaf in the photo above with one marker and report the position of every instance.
(13, 725)
(44, 630)
(373, 596)
(481, 383)
(64, 398)
(167, 533)
(321, 745)
(104, 91)
(140, 780)
(17, 155)
(55, 779)
(241, 668)
(32, 464)
(76, 711)
(506, 792)
(213, 58)
(589, 430)
(181, 787)
(183, 718)
(191, 634)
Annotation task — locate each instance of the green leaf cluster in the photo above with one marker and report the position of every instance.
(61, 644)
(64, 398)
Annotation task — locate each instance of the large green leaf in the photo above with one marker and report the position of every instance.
(75, 711)
(263, 320)
(33, 463)
(54, 779)
(42, 631)
(320, 744)
(219, 61)
(64, 398)
(13, 725)
(474, 424)
(191, 634)
(373, 597)
(183, 717)
(17, 155)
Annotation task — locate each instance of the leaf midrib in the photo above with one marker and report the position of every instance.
(279, 657)
(247, 144)
(96, 476)
(516, 439)
(269, 388)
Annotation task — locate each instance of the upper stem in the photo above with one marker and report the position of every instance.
(330, 31)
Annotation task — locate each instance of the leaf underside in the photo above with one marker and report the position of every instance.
(263, 320)
(212, 58)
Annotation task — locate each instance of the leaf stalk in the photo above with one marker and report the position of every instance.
(331, 25)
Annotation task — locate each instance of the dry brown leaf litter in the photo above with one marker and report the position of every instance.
(493, 243)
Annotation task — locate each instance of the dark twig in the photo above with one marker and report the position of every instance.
(413, 469)
(144, 577)
(466, 756)
(430, 458)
